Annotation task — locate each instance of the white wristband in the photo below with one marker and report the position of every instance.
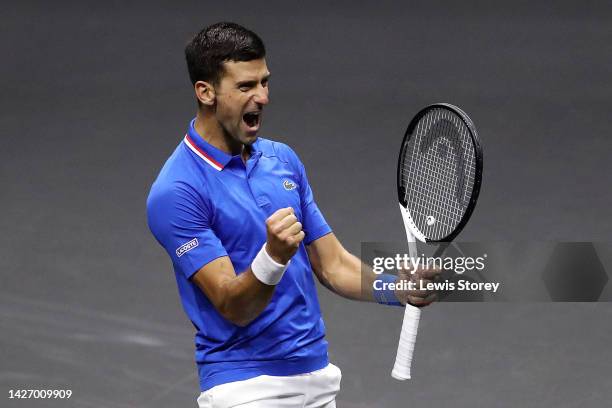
(266, 269)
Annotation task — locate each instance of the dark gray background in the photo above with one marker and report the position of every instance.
(95, 96)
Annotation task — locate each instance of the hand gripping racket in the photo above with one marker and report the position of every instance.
(438, 180)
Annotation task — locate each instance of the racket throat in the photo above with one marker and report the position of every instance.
(412, 233)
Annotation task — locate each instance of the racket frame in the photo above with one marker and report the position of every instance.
(408, 221)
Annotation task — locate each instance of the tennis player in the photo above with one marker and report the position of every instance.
(237, 216)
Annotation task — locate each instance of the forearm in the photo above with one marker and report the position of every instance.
(240, 298)
(350, 278)
(346, 275)
(244, 298)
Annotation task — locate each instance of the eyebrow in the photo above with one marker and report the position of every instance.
(251, 82)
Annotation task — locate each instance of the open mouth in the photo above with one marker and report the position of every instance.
(252, 119)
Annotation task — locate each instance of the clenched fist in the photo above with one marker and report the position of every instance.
(284, 233)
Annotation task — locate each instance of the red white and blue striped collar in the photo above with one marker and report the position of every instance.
(194, 147)
(216, 158)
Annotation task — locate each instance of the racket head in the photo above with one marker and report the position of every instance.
(440, 189)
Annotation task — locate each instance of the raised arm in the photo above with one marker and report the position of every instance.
(241, 298)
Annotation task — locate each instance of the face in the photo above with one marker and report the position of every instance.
(240, 98)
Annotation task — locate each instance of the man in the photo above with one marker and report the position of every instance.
(237, 216)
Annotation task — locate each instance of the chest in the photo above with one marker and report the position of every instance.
(243, 197)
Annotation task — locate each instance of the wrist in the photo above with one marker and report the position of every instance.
(383, 289)
(266, 269)
(279, 260)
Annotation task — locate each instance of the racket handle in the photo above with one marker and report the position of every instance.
(405, 348)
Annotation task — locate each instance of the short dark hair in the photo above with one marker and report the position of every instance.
(218, 43)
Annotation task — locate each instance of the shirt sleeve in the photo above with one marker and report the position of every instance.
(313, 222)
(181, 223)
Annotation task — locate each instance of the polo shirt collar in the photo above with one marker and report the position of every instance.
(216, 158)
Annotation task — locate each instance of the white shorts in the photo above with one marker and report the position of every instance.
(317, 389)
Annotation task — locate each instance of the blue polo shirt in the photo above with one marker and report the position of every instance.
(206, 204)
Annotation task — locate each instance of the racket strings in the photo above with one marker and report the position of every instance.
(441, 169)
(438, 172)
(439, 166)
(417, 195)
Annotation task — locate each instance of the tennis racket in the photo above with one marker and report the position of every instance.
(438, 180)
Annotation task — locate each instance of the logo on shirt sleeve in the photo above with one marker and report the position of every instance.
(186, 247)
(289, 185)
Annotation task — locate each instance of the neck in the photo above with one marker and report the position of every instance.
(213, 133)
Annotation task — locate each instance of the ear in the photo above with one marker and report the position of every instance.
(205, 92)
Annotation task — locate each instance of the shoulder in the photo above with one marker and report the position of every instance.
(169, 202)
(174, 205)
(178, 181)
(271, 148)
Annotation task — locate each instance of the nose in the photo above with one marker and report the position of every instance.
(262, 95)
